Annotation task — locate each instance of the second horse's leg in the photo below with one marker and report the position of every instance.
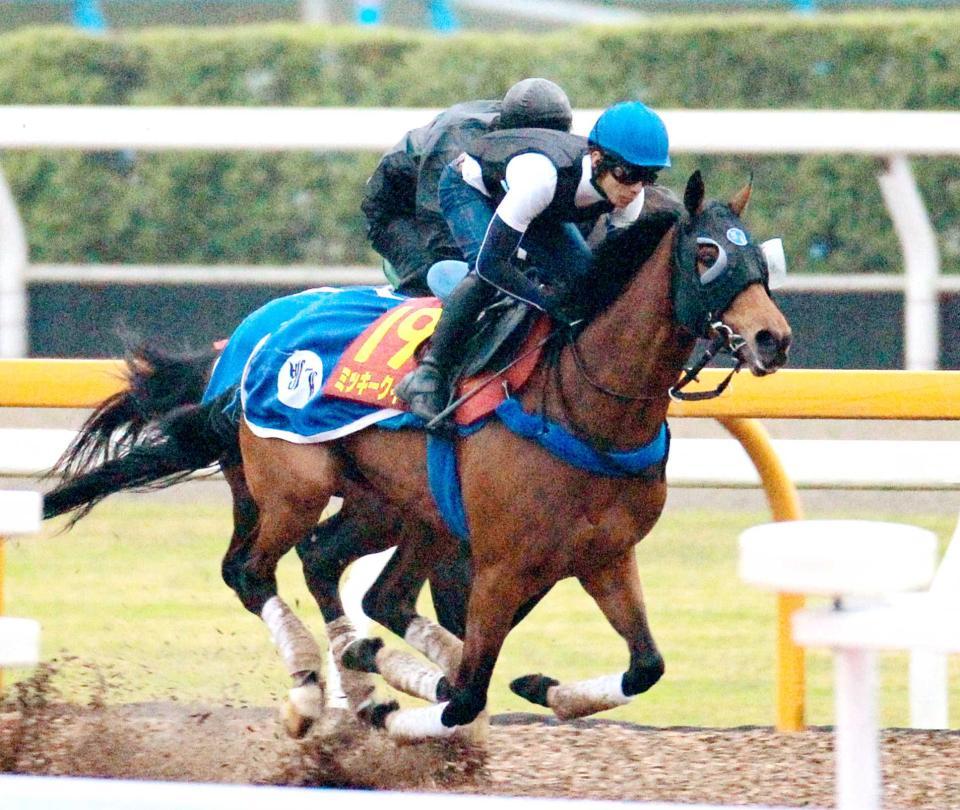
(290, 485)
(391, 601)
(355, 531)
(616, 590)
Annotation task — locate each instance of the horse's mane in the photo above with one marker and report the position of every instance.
(624, 251)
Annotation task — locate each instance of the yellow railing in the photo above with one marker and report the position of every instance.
(787, 395)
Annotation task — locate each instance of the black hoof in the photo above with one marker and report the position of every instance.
(361, 655)
(375, 714)
(533, 688)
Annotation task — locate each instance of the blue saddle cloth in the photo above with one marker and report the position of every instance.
(280, 356)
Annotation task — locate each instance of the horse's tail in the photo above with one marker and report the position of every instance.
(189, 438)
(157, 383)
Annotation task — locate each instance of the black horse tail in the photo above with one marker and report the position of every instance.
(158, 382)
(189, 438)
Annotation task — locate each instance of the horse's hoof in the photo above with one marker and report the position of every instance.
(361, 655)
(375, 714)
(444, 690)
(303, 706)
(533, 688)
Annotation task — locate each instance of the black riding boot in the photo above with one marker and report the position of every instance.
(426, 389)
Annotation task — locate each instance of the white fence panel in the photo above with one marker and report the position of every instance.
(892, 136)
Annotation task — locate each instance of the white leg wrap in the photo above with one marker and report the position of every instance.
(582, 698)
(336, 696)
(357, 686)
(296, 645)
(413, 725)
(439, 645)
(409, 674)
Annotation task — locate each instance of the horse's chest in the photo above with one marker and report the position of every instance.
(608, 526)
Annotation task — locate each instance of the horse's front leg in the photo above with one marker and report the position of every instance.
(494, 601)
(616, 590)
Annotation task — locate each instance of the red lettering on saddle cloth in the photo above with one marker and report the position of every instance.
(385, 351)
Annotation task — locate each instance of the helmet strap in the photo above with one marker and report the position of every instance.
(602, 165)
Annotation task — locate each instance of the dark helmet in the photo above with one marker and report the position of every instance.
(536, 103)
(632, 132)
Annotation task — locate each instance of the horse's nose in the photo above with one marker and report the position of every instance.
(772, 349)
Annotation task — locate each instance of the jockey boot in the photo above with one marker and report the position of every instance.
(426, 389)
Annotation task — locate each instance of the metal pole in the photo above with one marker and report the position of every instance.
(784, 505)
(921, 256)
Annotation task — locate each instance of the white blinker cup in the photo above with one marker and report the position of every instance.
(772, 251)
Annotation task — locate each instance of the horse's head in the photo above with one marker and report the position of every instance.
(723, 276)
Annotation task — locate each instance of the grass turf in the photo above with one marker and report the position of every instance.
(133, 609)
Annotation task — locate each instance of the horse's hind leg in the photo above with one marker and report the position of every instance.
(290, 484)
(616, 590)
(355, 531)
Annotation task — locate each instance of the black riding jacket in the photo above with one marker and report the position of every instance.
(565, 151)
(400, 200)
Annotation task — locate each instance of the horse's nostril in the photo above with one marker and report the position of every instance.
(770, 347)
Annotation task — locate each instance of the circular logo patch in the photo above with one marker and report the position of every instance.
(737, 236)
(300, 379)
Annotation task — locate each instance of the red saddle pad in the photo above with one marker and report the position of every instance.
(385, 351)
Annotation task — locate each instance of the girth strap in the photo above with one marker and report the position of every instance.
(444, 478)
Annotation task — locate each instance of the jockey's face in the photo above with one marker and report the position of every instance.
(616, 185)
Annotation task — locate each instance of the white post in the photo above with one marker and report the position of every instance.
(928, 669)
(918, 240)
(857, 744)
(13, 268)
(314, 12)
(928, 689)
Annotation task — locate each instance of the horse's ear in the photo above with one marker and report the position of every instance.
(693, 195)
(739, 200)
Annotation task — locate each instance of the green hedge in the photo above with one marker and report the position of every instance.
(203, 207)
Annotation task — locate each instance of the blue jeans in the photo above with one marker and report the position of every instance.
(556, 249)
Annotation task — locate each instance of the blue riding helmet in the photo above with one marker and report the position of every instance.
(633, 132)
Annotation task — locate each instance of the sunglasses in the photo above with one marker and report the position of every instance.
(630, 175)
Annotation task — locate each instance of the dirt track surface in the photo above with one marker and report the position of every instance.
(524, 755)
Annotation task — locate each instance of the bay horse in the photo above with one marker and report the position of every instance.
(535, 516)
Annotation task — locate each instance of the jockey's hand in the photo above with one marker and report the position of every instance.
(557, 305)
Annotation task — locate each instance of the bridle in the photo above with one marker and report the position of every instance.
(724, 340)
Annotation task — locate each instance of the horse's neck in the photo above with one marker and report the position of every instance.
(634, 348)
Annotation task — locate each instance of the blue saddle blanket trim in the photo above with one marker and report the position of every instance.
(444, 480)
(561, 443)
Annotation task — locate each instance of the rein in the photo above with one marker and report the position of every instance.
(724, 339)
(582, 368)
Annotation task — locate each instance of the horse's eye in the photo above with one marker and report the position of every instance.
(711, 259)
(707, 255)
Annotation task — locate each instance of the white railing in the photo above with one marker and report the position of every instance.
(892, 136)
(854, 464)
(60, 793)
